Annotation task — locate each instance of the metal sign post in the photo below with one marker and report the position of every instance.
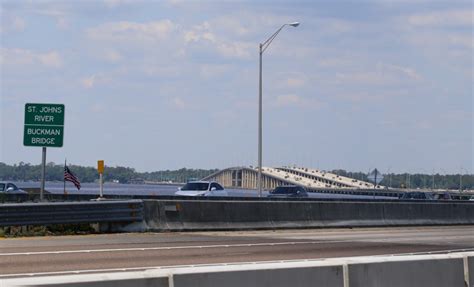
(43, 173)
(376, 177)
(44, 127)
(100, 169)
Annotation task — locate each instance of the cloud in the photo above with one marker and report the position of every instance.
(235, 26)
(12, 23)
(286, 100)
(116, 3)
(381, 74)
(22, 57)
(18, 24)
(51, 59)
(112, 56)
(408, 72)
(292, 100)
(202, 35)
(336, 26)
(129, 32)
(194, 36)
(58, 12)
(443, 18)
(97, 108)
(236, 49)
(295, 82)
(88, 82)
(211, 71)
(178, 103)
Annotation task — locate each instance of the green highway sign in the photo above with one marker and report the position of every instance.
(44, 125)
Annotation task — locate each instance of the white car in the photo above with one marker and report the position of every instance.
(8, 187)
(202, 188)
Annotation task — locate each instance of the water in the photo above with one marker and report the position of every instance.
(124, 189)
(162, 189)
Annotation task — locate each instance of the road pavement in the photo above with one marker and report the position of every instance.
(35, 256)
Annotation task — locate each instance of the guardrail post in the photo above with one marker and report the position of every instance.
(466, 269)
(345, 274)
(170, 280)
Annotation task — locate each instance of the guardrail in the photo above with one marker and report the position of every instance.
(389, 271)
(70, 212)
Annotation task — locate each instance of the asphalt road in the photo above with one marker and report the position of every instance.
(137, 251)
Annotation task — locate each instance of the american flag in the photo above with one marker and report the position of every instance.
(69, 176)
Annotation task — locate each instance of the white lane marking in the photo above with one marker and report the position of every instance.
(441, 241)
(344, 232)
(169, 248)
(395, 239)
(216, 264)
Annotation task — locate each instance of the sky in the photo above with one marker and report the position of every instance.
(158, 85)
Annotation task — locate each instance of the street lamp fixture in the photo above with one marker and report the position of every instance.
(263, 47)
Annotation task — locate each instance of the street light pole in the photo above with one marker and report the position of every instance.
(263, 46)
(260, 126)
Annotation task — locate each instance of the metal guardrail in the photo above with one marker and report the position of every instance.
(70, 212)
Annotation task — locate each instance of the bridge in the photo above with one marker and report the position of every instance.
(247, 177)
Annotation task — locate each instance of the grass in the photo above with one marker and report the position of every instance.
(49, 230)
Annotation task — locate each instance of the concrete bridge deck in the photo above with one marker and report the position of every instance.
(247, 177)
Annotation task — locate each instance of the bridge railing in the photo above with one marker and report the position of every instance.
(374, 271)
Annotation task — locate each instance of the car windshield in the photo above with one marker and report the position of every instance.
(195, 186)
(2, 186)
(285, 190)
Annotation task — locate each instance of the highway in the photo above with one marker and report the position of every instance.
(138, 251)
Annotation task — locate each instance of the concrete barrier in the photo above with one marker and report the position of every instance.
(135, 279)
(322, 276)
(407, 271)
(224, 215)
(432, 273)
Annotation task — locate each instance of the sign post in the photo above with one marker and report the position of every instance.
(376, 177)
(100, 169)
(43, 173)
(44, 127)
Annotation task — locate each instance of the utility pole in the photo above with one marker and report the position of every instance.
(432, 188)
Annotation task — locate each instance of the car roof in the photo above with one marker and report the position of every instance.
(203, 181)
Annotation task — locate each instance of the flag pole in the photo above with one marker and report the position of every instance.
(64, 178)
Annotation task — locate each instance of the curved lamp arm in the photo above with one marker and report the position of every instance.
(264, 45)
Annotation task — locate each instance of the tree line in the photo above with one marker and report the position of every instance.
(418, 180)
(55, 172)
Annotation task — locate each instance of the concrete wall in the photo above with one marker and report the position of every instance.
(432, 273)
(400, 271)
(327, 276)
(219, 215)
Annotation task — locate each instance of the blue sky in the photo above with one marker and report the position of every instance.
(171, 84)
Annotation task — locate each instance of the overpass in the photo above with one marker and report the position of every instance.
(247, 177)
